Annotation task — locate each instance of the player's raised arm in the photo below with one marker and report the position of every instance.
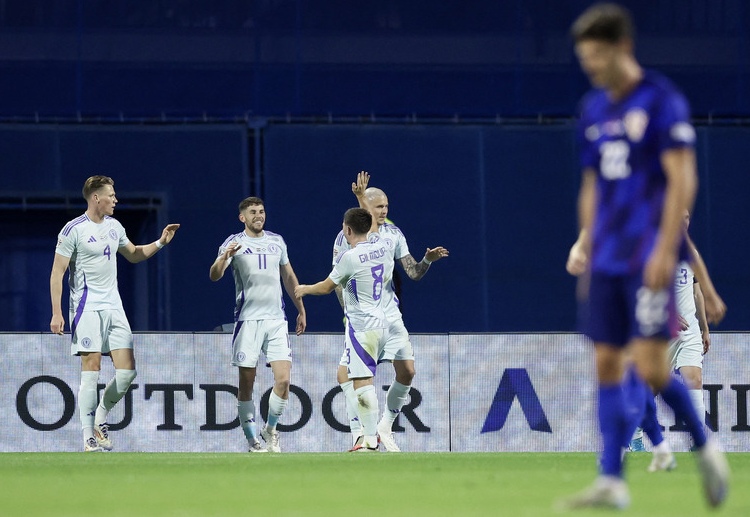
(321, 288)
(416, 270)
(359, 187)
(222, 261)
(134, 254)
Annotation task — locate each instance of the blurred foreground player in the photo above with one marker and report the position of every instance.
(638, 176)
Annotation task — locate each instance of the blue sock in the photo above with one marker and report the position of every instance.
(650, 423)
(676, 396)
(635, 392)
(614, 426)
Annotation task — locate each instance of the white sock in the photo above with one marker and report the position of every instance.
(87, 401)
(663, 447)
(394, 401)
(246, 412)
(116, 388)
(696, 397)
(367, 409)
(351, 409)
(276, 406)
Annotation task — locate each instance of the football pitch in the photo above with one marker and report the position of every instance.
(408, 484)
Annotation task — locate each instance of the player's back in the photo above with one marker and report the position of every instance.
(364, 271)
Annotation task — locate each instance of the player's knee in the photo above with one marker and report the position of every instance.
(124, 379)
(406, 376)
(281, 387)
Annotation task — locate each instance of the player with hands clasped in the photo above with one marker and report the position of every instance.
(87, 247)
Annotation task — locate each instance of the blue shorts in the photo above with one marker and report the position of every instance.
(619, 308)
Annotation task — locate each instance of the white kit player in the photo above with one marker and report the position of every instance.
(398, 349)
(258, 258)
(687, 349)
(87, 246)
(363, 271)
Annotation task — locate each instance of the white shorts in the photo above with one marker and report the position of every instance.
(100, 331)
(398, 346)
(253, 336)
(363, 351)
(686, 350)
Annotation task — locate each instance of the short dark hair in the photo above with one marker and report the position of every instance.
(603, 22)
(94, 183)
(250, 201)
(359, 220)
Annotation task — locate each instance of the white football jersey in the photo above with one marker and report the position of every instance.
(395, 243)
(364, 271)
(92, 249)
(257, 282)
(684, 297)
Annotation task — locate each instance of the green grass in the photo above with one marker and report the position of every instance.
(408, 484)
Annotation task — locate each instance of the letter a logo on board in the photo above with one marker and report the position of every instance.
(516, 383)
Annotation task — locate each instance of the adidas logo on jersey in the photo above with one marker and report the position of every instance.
(92, 239)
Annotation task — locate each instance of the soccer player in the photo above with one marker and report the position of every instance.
(258, 257)
(87, 247)
(363, 271)
(687, 350)
(398, 349)
(639, 174)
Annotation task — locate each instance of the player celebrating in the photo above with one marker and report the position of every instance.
(364, 271)
(258, 257)
(398, 348)
(638, 177)
(87, 246)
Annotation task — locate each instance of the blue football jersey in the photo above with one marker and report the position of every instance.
(623, 142)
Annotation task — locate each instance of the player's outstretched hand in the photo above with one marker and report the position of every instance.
(359, 187)
(684, 325)
(300, 291)
(168, 233)
(436, 253)
(232, 249)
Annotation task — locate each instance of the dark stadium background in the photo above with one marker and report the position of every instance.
(461, 111)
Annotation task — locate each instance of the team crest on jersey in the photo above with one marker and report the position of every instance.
(635, 121)
(113, 234)
(273, 249)
(241, 357)
(388, 243)
(86, 342)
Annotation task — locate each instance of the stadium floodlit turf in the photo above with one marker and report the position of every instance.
(346, 484)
